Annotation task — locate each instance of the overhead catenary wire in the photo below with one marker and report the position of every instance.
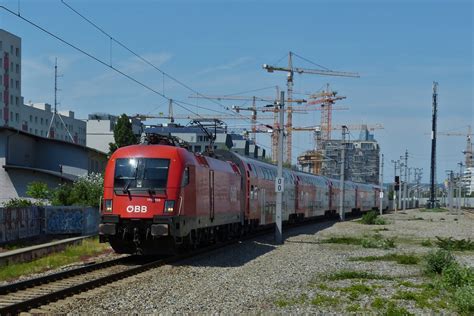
(93, 57)
(165, 74)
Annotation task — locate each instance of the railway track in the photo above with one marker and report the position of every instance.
(29, 294)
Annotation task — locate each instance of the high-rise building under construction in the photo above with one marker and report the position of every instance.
(362, 159)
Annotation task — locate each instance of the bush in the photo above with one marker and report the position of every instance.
(454, 244)
(369, 218)
(85, 191)
(456, 276)
(38, 190)
(464, 299)
(437, 261)
(17, 202)
(372, 218)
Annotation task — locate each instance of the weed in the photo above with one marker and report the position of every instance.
(353, 308)
(355, 290)
(348, 274)
(464, 299)
(434, 210)
(437, 261)
(410, 284)
(321, 299)
(394, 310)
(456, 276)
(384, 243)
(372, 218)
(426, 243)
(454, 244)
(383, 229)
(378, 303)
(284, 302)
(89, 247)
(399, 258)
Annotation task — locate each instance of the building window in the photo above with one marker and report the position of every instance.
(1, 61)
(46, 121)
(17, 51)
(11, 99)
(31, 131)
(17, 116)
(11, 66)
(17, 84)
(31, 118)
(11, 49)
(11, 115)
(1, 45)
(41, 121)
(17, 68)
(36, 119)
(36, 131)
(11, 82)
(41, 133)
(17, 100)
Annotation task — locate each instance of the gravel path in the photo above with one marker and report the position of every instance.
(259, 277)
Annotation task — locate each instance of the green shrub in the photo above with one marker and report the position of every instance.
(456, 276)
(17, 202)
(375, 242)
(369, 218)
(426, 243)
(464, 299)
(38, 190)
(454, 244)
(439, 260)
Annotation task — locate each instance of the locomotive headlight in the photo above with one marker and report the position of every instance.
(169, 206)
(108, 205)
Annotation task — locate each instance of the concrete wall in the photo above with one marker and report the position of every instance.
(25, 158)
(28, 222)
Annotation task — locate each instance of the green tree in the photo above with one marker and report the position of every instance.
(85, 191)
(123, 134)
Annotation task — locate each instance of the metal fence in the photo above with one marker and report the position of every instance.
(33, 221)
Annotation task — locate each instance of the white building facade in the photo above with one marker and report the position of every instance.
(100, 130)
(33, 118)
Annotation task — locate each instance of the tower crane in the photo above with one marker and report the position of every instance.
(253, 109)
(289, 81)
(469, 161)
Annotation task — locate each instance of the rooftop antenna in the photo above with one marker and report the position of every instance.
(55, 112)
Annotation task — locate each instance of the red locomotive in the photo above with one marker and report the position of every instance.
(159, 198)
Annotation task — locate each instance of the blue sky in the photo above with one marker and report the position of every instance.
(217, 47)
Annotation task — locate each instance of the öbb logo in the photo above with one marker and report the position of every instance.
(136, 209)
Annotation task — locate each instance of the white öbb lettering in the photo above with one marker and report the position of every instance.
(136, 209)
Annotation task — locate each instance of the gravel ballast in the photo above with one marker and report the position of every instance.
(258, 276)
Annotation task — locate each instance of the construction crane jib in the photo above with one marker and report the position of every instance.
(291, 71)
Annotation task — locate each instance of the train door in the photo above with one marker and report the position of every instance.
(211, 194)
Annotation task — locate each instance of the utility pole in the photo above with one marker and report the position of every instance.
(405, 185)
(450, 190)
(432, 200)
(381, 188)
(395, 167)
(460, 185)
(280, 181)
(400, 197)
(342, 215)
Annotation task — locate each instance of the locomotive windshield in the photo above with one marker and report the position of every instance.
(148, 174)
